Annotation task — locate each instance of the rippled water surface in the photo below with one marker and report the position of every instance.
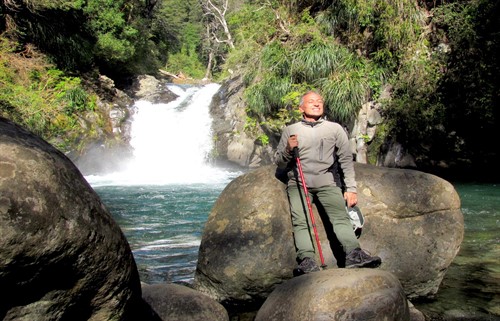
(472, 283)
(163, 225)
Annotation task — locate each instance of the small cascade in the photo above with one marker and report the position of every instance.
(171, 142)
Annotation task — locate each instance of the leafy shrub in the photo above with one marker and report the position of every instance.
(39, 97)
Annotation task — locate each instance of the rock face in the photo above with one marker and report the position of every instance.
(412, 221)
(149, 88)
(247, 246)
(62, 257)
(110, 142)
(234, 141)
(178, 302)
(338, 294)
(364, 130)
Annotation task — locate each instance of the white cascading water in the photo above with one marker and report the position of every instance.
(171, 142)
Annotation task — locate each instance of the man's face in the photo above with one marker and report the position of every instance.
(312, 107)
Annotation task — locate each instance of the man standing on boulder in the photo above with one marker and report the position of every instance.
(322, 145)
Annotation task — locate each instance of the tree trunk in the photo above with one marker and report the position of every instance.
(209, 66)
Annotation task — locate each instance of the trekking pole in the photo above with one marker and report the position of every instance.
(308, 201)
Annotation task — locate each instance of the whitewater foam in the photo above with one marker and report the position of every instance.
(172, 143)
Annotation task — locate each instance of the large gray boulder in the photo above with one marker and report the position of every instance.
(62, 257)
(149, 88)
(247, 246)
(174, 302)
(338, 294)
(413, 222)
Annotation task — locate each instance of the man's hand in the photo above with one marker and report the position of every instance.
(351, 198)
(292, 143)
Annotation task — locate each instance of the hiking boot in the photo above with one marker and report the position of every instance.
(359, 258)
(307, 265)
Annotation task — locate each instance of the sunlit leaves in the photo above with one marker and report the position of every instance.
(344, 92)
(265, 96)
(317, 64)
(275, 58)
(315, 60)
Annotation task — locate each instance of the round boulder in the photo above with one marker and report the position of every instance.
(247, 246)
(413, 222)
(177, 302)
(338, 294)
(61, 254)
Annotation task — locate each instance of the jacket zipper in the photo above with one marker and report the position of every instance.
(321, 149)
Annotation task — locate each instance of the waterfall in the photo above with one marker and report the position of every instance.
(171, 142)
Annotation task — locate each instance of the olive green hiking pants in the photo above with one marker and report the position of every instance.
(333, 202)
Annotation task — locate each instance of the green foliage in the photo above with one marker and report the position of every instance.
(343, 93)
(117, 34)
(40, 5)
(263, 139)
(317, 63)
(179, 23)
(415, 109)
(77, 100)
(377, 28)
(376, 78)
(292, 99)
(186, 62)
(120, 37)
(283, 117)
(265, 96)
(470, 87)
(399, 25)
(252, 127)
(317, 59)
(253, 23)
(457, 18)
(253, 26)
(40, 97)
(113, 49)
(274, 58)
(448, 88)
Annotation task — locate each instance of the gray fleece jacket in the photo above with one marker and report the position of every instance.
(322, 146)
